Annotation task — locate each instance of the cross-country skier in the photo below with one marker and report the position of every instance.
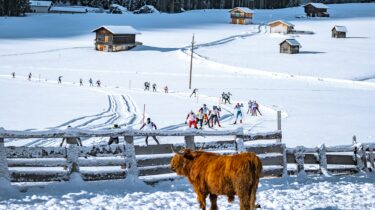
(147, 86)
(14, 75)
(59, 79)
(29, 77)
(71, 141)
(154, 87)
(80, 82)
(98, 83)
(149, 125)
(91, 82)
(200, 117)
(205, 112)
(114, 139)
(215, 116)
(195, 90)
(256, 108)
(238, 112)
(191, 119)
(250, 109)
(166, 89)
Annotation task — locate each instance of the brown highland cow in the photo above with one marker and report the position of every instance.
(214, 174)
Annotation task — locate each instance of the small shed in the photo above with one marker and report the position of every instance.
(115, 38)
(316, 10)
(40, 6)
(339, 32)
(280, 26)
(241, 15)
(290, 46)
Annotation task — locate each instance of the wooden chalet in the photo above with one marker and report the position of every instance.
(280, 26)
(241, 15)
(316, 10)
(115, 38)
(339, 32)
(290, 46)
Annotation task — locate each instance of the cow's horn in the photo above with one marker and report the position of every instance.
(202, 146)
(175, 151)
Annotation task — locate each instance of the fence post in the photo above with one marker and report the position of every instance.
(240, 146)
(299, 154)
(279, 123)
(131, 161)
(371, 157)
(359, 155)
(189, 142)
(72, 155)
(285, 162)
(4, 171)
(323, 160)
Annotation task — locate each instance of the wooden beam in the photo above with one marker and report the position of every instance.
(189, 142)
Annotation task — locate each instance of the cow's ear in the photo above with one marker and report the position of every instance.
(188, 154)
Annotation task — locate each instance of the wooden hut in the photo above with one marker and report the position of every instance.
(241, 15)
(290, 46)
(316, 10)
(40, 6)
(280, 26)
(339, 32)
(115, 38)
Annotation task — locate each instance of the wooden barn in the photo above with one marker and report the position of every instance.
(241, 15)
(316, 10)
(280, 26)
(339, 32)
(115, 38)
(40, 6)
(290, 46)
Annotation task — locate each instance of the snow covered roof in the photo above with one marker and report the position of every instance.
(340, 28)
(68, 9)
(150, 7)
(282, 21)
(243, 9)
(292, 42)
(318, 5)
(123, 9)
(40, 3)
(119, 29)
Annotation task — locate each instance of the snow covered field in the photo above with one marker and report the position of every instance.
(326, 93)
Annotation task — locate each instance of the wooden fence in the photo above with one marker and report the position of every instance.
(151, 164)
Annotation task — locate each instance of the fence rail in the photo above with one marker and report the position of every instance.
(151, 164)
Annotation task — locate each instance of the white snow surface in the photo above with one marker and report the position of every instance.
(352, 192)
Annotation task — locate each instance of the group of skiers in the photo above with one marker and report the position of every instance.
(154, 87)
(204, 116)
(225, 97)
(98, 83)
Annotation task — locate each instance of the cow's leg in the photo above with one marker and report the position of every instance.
(253, 193)
(244, 197)
(230, 198)
(202, 200)
(213, 199)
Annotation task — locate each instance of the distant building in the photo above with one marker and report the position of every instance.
(68, 10)
(280, 26)
(40, 6)
(339, 32)
(316, 10)
(290, 46)
(115, 38)
(241, 15)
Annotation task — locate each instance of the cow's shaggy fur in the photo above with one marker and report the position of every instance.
(213, 174)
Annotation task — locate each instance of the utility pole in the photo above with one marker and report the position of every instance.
(191, 61)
